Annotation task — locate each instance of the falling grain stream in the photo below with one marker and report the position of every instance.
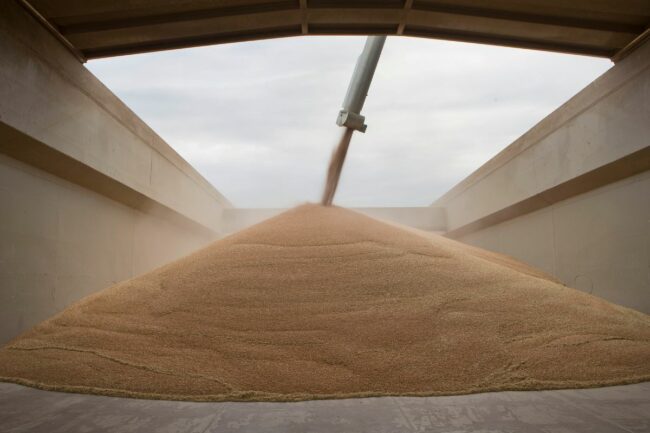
(335, 167)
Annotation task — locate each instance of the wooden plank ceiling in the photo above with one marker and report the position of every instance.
(103, 28)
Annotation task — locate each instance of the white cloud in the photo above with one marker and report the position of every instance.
(257, 118)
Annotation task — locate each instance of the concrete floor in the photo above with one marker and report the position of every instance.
(612, 409)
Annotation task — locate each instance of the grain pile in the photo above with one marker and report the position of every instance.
(324, 302)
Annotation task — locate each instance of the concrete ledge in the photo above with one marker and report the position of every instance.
(604, 123)
(632, 164)
(23, 148)
(48, 95)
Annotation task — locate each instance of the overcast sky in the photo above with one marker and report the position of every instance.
(257, 119)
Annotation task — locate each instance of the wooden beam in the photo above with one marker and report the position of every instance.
(528, 17)
(402, 24)
(303, 17)
(509, 41)
(98, 24)
(193, 41)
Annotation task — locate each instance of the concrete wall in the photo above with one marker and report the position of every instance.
(598, 242)
(47, 94)
(89, 194)
(423, 218)
(61, 241)
(572, 196)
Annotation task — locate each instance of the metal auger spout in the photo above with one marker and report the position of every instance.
(350, 116)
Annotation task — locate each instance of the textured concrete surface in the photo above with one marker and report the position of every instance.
(82, 183)
(604, 122)
(596, 242)
(60, 242)
(612, 409)
(571, 195)
(48, 95)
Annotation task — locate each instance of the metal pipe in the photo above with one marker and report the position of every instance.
(350, 116)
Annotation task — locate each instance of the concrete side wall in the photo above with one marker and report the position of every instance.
(61, 242)
(423, 218)
(89, 195)
(47, 94)
(598, 242)
(604, 123)
(572, 195)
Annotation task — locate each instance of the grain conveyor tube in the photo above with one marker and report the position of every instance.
(350, 116)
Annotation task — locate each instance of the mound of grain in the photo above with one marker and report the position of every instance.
(324, 302)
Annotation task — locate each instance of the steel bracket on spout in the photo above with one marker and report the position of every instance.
(351, 120)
